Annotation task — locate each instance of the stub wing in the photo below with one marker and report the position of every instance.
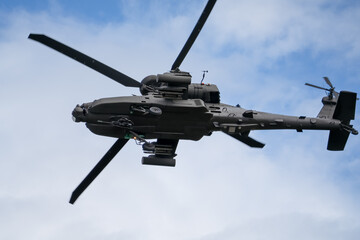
(244, 138)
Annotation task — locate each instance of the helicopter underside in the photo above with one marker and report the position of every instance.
(147, 117)
(151, 117)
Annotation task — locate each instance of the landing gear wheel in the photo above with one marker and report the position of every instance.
(149, 147)
(155, 111)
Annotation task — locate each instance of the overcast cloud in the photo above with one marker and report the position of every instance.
(258, 53)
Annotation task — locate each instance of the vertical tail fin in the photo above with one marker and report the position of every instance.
(328, 110)
(345, 107)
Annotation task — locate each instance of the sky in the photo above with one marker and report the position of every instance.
(258, 53)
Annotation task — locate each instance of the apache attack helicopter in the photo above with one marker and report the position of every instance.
(171, 108)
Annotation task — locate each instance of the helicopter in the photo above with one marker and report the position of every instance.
(172, 108)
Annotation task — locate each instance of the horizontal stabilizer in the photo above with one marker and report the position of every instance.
(337, 140)
(345, 112)
(244, 138)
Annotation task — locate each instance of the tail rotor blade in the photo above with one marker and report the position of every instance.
(86, 60)
(105, 160)
(328, 82)
(311, 85)
(205, 14)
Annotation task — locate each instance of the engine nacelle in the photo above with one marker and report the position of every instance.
(174, 79)
(177, 84)
(206, 92)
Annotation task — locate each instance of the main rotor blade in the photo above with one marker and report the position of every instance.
(328, 82)
(86, 60)
(205, 14)
(118, 145)
(311, 85)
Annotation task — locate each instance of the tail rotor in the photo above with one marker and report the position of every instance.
(330, 90)
(340, 106)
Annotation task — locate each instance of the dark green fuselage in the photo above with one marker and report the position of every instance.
(189, 119)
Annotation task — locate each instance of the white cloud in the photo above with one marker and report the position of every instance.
(281, 27)
(219, 188)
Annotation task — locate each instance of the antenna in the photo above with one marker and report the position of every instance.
(204, 72)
